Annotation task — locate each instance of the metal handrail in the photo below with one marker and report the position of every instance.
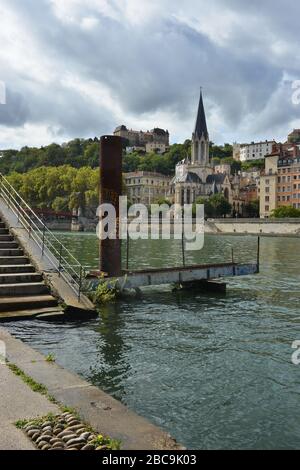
(62, 260)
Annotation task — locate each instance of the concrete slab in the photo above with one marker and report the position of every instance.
(13, 439)
(18, 401)
(108, 416)
(52, 375)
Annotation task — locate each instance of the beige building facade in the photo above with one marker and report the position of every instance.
(140, 138)
(280, 181)
(147, 188)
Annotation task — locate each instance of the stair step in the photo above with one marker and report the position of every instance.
(4, 231)
(33, 288)
(17, 268)
(51, 316)
(5, 260)
(9, 245)
(9, 304)
(5, 252)
(6, 238)
(40, 313)
(14, 278)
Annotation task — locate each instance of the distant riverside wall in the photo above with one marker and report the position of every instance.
(62, 225)
(279, 227)
(275, 227)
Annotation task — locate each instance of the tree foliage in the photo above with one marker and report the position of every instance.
(76, 153)
(285, 211)
(58, 188)
(216, 206)
(165, 164)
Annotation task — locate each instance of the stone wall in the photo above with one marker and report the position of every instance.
(280, 227)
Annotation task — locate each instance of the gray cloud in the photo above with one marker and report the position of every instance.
(156, 65)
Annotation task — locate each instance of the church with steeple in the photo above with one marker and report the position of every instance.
(195, 177)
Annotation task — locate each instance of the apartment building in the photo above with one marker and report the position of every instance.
(280, 181)
(256, 150)
(147, 187)
(157, 147)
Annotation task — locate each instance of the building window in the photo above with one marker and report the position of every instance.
(267, 190)
(267, 208)
(267, 199)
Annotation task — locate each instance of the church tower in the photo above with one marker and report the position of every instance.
(201, 163)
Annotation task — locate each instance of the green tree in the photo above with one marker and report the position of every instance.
(208, 208)
(252, 209)
(285, 211)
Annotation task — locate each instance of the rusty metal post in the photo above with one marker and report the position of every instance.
(258, 254)
(110, 191)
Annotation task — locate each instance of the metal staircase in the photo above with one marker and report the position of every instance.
(23, 293)
(23, 289)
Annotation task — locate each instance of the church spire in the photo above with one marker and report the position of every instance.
(201, 127)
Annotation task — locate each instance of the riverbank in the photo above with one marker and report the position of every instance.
(262, 227)
(269, 227)
(102, 412)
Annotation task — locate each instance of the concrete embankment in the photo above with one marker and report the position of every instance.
(263, 227)
(102, 412)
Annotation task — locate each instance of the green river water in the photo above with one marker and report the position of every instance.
(213, 370)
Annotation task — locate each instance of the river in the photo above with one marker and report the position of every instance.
(213, 370)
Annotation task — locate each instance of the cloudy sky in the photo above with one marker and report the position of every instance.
(79, 68)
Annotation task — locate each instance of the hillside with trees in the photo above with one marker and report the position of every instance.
(80, 153)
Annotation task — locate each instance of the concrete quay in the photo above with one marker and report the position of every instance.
(102, 412)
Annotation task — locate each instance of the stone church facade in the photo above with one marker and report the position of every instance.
(196, 177)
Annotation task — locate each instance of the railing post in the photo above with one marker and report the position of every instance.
(183, 252)
(127, 251)
(29, 231)
(19, 205)
(60, 257)
(182, 241)
(43, 245)
(258, 254)
(80, 284)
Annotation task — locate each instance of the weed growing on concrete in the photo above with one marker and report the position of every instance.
(50, 358)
